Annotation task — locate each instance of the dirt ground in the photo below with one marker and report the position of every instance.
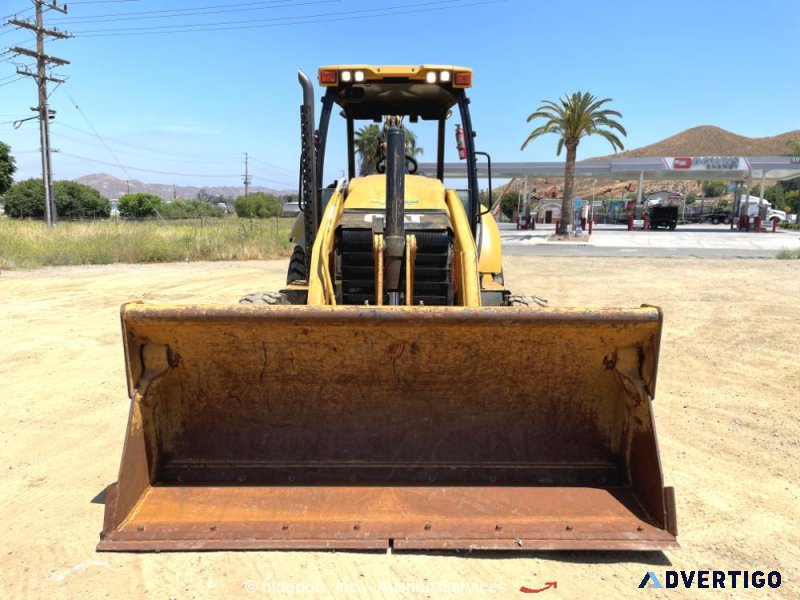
(726, 410)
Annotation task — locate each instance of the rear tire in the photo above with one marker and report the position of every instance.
(526, 300)
(262, 298)
(297, 266)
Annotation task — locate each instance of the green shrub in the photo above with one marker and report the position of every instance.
(7, 168)
(139, 205)
(258, 205)
(508, 204)
(73, 200)
(187, 209)
(25, 199)
(786, 254)
(713, 188)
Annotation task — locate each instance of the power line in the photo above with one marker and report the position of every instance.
(21, 11)
(198, 11)
(269, 23)
(119, 164)
(12, 122)
(102, 1)
(102, 141)
(111, 152)
(149, 156)
(134, 146)
(274, 19)
(126, 169)
(266, 164)
(154, 156)
(273, 182)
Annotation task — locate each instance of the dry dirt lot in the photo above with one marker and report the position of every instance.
(726, 409)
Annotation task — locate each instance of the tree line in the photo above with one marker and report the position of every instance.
(25, 200)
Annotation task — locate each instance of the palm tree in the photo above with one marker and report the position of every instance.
(368, 141)
(412, 149)
(573, 118)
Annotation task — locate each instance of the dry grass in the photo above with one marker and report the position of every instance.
(29, 244)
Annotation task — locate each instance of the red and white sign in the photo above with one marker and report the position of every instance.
(706, 163)
(682, 162)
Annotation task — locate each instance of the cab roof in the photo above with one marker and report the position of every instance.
(368, 92)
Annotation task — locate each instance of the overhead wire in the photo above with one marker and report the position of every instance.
(267, 164)
(21, 11)
(110, 151)
(125, 168)
(424, 7)
(190, 156)
(101, 1)
(176, 174)
(12, 81)
(273, 182)
(287, 18)
(129, 145)
(159, 172)
(197, 11)
(152, 157)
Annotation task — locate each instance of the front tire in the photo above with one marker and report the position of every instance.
(297, 266)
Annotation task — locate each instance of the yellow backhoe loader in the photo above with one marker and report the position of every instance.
(372, 403)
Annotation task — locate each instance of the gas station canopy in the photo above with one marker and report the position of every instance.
(734, 168)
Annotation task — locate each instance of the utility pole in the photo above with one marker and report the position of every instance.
(246, 177)
(41, 77)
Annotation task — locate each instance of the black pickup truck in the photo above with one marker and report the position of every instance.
(664, 216)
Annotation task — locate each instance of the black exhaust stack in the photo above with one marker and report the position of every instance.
(309, 185)
(395, 237)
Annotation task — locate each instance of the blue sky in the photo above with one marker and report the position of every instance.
(192, 102)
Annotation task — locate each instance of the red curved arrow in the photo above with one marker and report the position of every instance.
(547, 586)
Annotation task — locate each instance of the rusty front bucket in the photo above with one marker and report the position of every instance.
(376, 427)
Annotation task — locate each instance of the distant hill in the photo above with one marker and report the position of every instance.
(113, 187)
(708, 140)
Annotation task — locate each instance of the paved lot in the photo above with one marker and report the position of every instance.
(702, 241)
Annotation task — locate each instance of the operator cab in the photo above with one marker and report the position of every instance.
(367, 95)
